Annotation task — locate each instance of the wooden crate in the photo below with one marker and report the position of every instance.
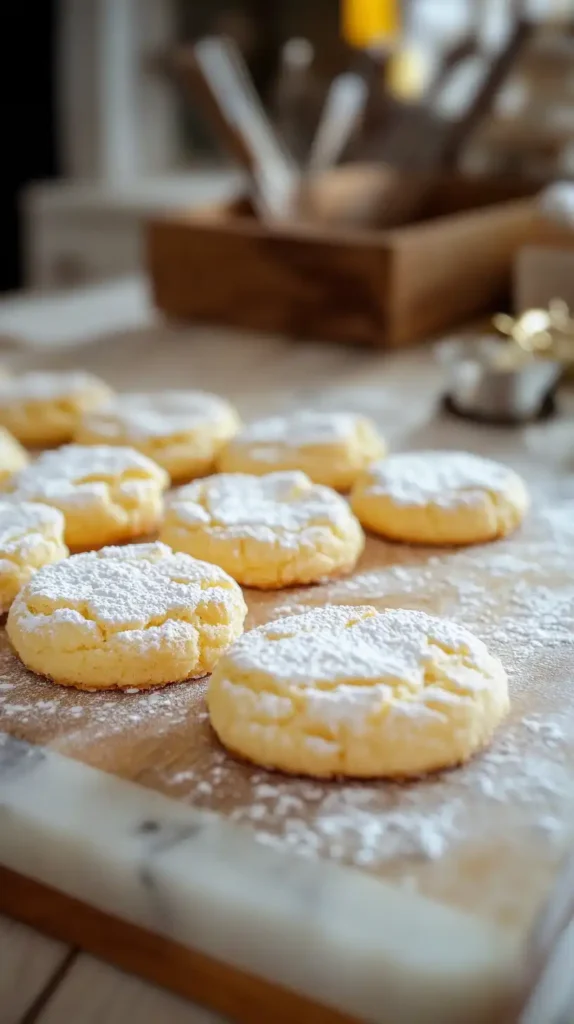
(391, 288)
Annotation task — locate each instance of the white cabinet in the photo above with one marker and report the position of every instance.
(77, 234)
(120, 143)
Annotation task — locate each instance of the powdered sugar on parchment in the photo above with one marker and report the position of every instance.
(518, 596)
(516, 798)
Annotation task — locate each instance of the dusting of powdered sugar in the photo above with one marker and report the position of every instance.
(24, 525)
(517, 593)
(447, 479)
(516, 798)
(507, 790)
(300, 429)
(518, 596)
(373, 824)
(242, 505)
(123, 588)
(78, 474)
(337, 643)
(161, 414)
(79, 720)
(45, 387)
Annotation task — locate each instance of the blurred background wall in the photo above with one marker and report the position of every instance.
(28, 116)
(99, 136)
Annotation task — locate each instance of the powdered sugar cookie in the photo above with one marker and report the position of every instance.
(12, 456)
(332, 448)
(136, 616)
(353, 691)
(107, 495)
(267, 532)
(43, 409)
(440, 498)
(30, 536)
(182, 431)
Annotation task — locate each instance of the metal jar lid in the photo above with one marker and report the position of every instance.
(490, 383)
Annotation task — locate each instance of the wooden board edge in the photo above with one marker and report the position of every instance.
(233, 993)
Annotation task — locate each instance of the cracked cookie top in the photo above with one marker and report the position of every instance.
(107, 494)
(137, 615)
(270, 531)
(242, 505)
(353, 691)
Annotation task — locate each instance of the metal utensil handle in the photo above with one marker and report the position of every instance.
(214, 69)
(427, 140)
(495, 74)
(343, 108)
(223, 66)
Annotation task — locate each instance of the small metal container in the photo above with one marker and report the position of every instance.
(483, 384)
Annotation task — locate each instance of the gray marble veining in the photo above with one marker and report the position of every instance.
(17, 757)
(332, 933)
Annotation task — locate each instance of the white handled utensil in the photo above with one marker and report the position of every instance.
(341, 114)
(214, 69)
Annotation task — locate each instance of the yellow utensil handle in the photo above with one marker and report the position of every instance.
(366, 22)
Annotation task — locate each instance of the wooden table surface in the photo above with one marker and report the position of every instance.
(111, 330)
(42, 980)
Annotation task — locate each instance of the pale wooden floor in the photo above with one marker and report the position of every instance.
(45, 982)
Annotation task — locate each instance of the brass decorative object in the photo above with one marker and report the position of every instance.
(543, 332)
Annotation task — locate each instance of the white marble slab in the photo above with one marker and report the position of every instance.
(337, 935)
